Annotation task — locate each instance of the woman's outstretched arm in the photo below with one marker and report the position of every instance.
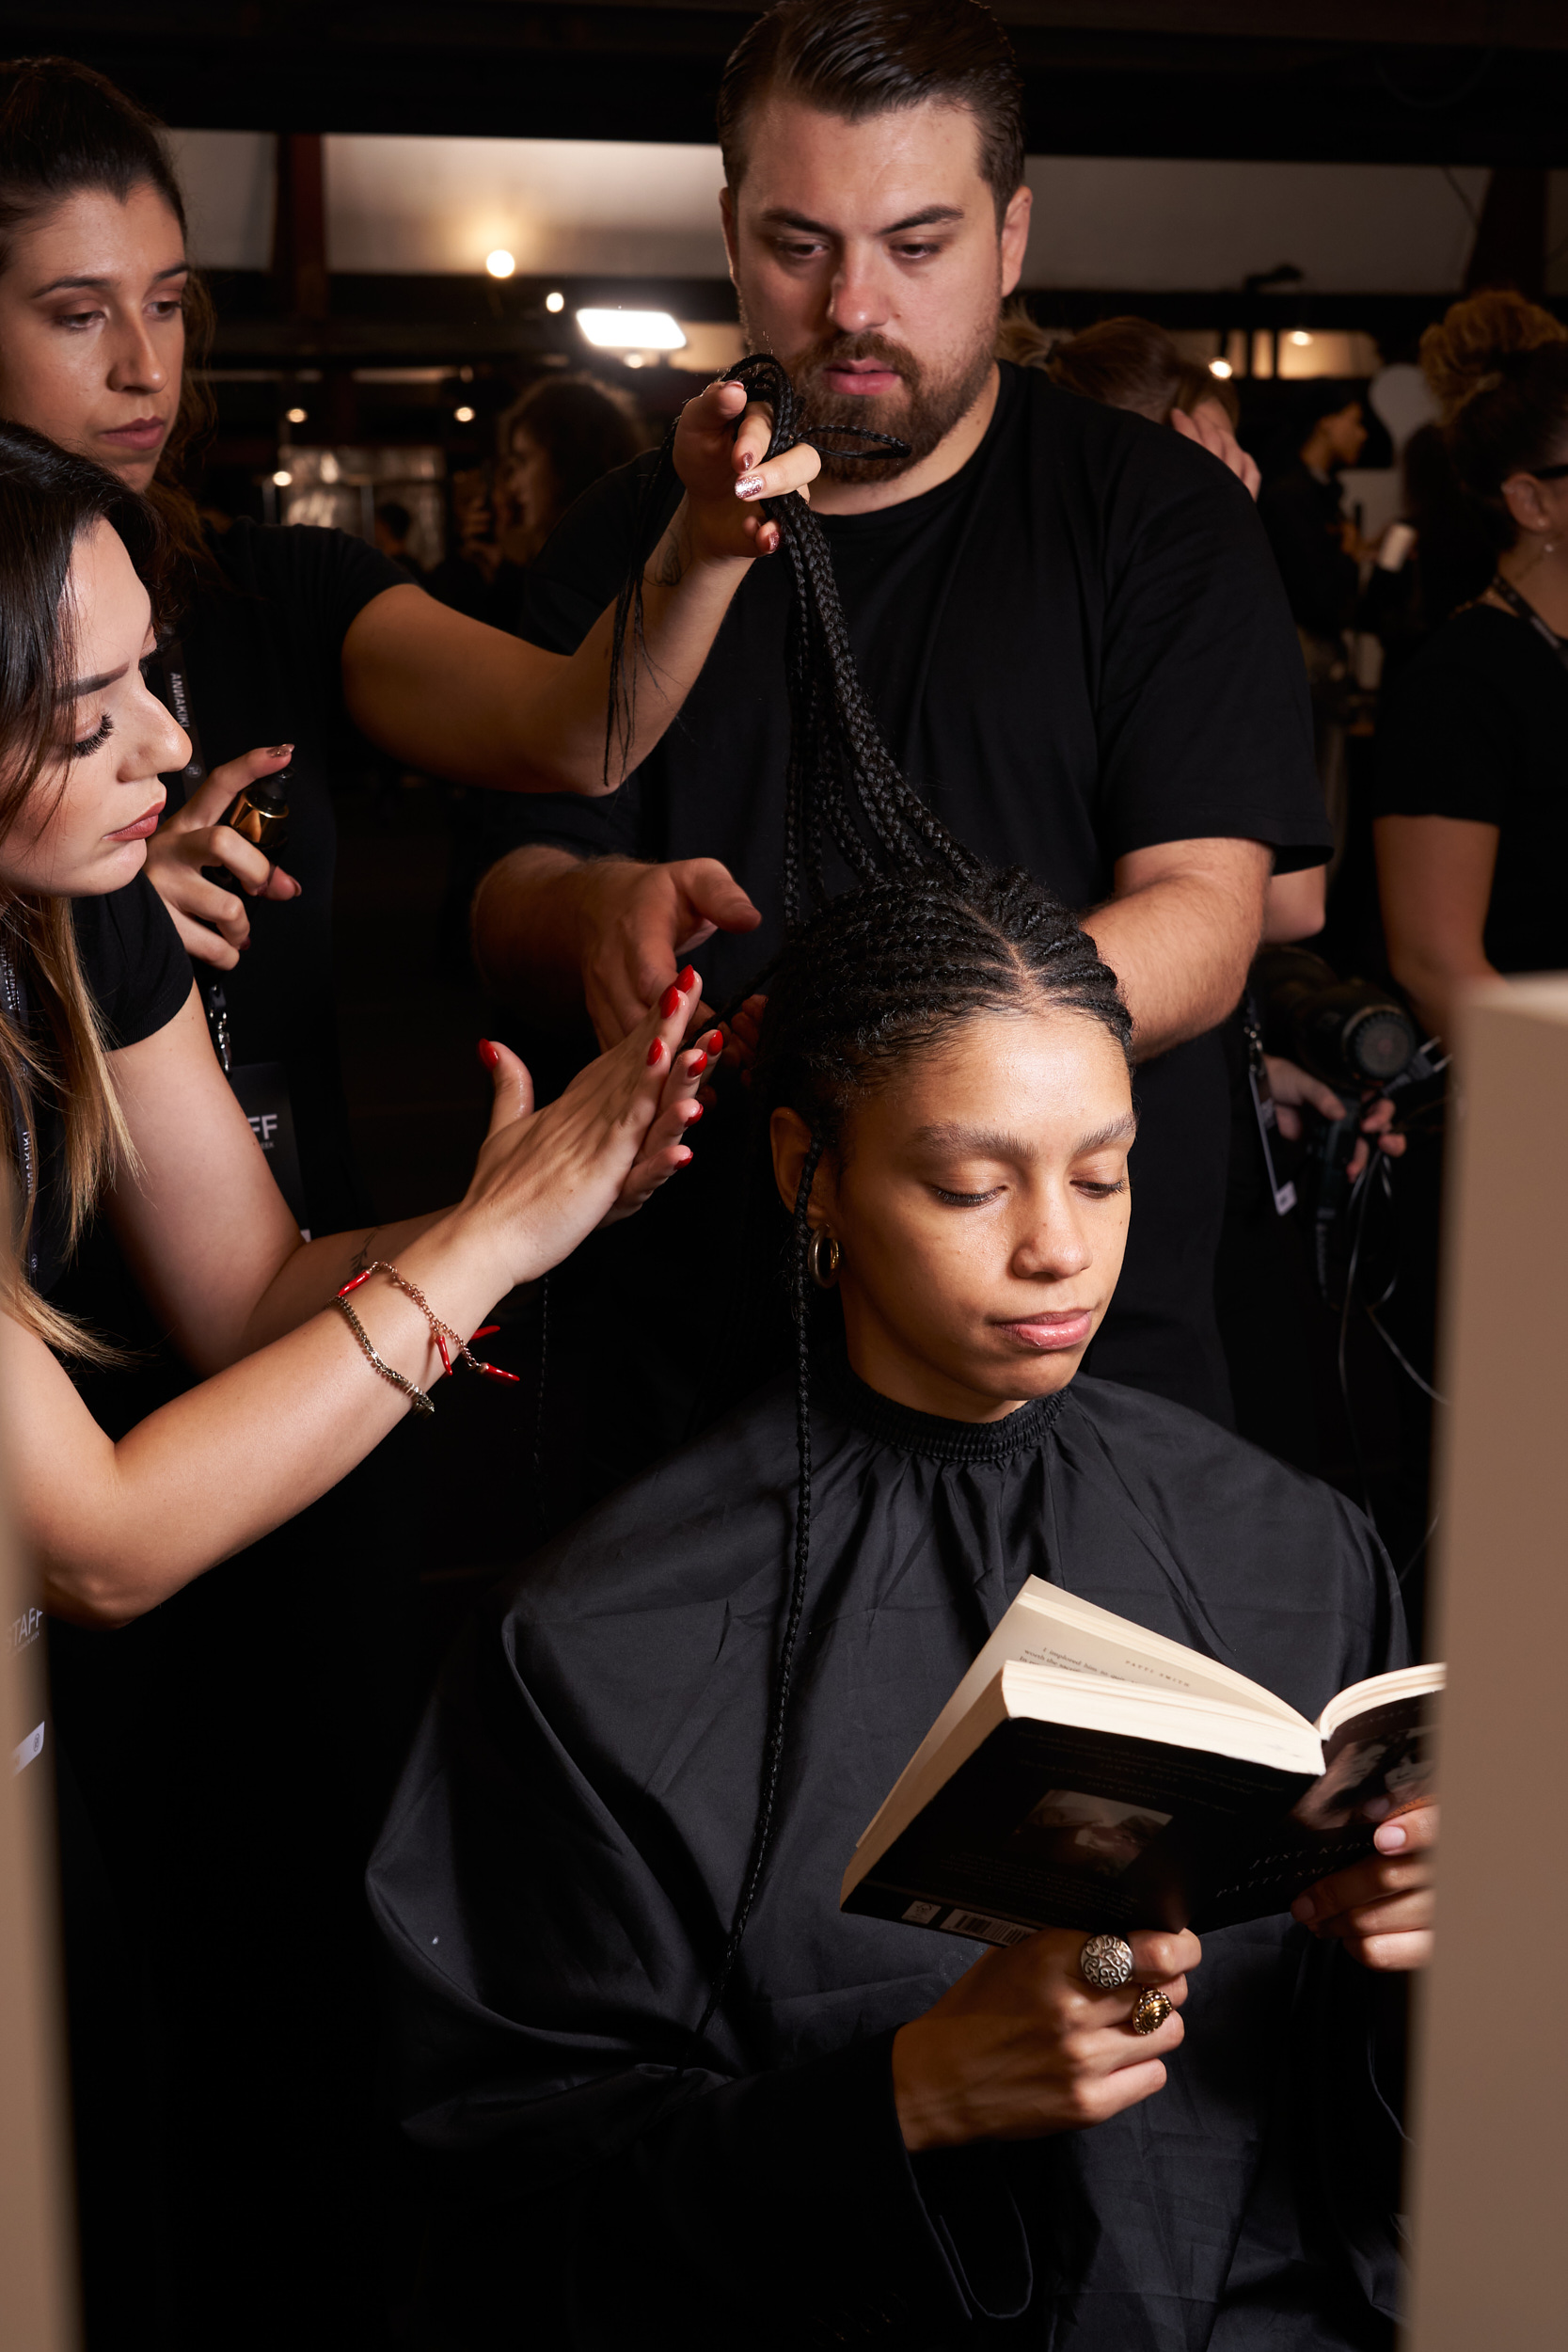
(447, 694)
(116, 1528)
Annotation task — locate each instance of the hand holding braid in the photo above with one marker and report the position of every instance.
(841, 779)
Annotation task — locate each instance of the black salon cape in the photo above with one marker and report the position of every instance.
(563, 1855)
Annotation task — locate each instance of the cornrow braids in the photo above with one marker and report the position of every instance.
(841, 780)
(880, 974)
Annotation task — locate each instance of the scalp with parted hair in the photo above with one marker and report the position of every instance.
(884, 972)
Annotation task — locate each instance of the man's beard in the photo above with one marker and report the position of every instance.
(921, 412)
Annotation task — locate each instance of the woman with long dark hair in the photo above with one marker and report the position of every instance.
(112, 1104)
(654, 2069)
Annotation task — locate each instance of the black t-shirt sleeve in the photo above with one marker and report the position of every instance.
(136, 970)
(323, 580)
(1448, 739)
(1205, 726)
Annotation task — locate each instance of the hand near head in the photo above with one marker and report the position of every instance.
(209, 918)
(1382, 1910)
(712, 458)
(545, 1178)
(637, 924)
(1022, 2046)
(1211, 432)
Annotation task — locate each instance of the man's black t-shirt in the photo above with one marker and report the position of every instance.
(1477, 728)
(1077, 647)
(263, 658)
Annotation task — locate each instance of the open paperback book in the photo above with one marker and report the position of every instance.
(1088, 1774)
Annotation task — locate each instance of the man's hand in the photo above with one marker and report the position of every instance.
(1381, 1911)
(1022, 2047)
(1209, 430)
(637, 924)
(211, 922)
(1295, 1089)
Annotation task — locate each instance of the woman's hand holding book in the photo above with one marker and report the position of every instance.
(1022, 2046)
(1382, 1909)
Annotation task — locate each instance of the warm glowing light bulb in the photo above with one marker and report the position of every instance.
(634, 358)
(283, 478)
(464, 416)
(1221, 367)
(1300, 335)
(297, 416)
(500, 263)
(555, 302)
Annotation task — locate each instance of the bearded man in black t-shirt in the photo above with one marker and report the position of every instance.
(1069, 626)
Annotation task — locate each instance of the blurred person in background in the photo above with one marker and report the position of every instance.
(291, 1674)
(1132, 363)
(1318, 549)
(393, 523)
(1470, 800)
(554, 443)
(1472, 792)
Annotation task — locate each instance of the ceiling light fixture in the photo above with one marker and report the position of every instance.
(1300, 335)
(631, 330)
(1221, 368)
(464, 416)
(554, 302)
(500, 263)
(283, 478)
(297, 416)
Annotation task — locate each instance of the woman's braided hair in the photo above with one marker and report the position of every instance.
(882, 972)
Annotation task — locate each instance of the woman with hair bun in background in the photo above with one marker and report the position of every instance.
(1470, 803)
(1471, 807)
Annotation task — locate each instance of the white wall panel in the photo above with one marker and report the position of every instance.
(620, 208)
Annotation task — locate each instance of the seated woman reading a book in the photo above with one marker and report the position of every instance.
(672, 2093)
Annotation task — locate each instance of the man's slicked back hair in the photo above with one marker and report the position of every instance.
(876, 57)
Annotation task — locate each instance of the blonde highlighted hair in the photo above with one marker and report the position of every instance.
(48, 499)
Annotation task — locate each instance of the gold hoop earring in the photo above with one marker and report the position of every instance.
(822, 1256)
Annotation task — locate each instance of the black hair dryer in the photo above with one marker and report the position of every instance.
(1349, 1033)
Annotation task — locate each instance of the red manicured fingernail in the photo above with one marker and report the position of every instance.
(669, 1001)
(683, 1157)
(656, 1052)
(685, 980)
(489, 1054)
(693, 1114)
(713, 1042)
(699, 1063)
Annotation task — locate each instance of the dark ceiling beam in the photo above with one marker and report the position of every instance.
(1445, 81)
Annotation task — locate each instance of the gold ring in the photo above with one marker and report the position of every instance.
(1151, 2011)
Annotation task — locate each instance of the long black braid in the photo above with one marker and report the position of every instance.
(841, 782)
(882, 972)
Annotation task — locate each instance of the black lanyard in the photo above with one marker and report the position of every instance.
(1527, 611)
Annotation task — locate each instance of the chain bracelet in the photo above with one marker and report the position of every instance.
(415, 1395)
